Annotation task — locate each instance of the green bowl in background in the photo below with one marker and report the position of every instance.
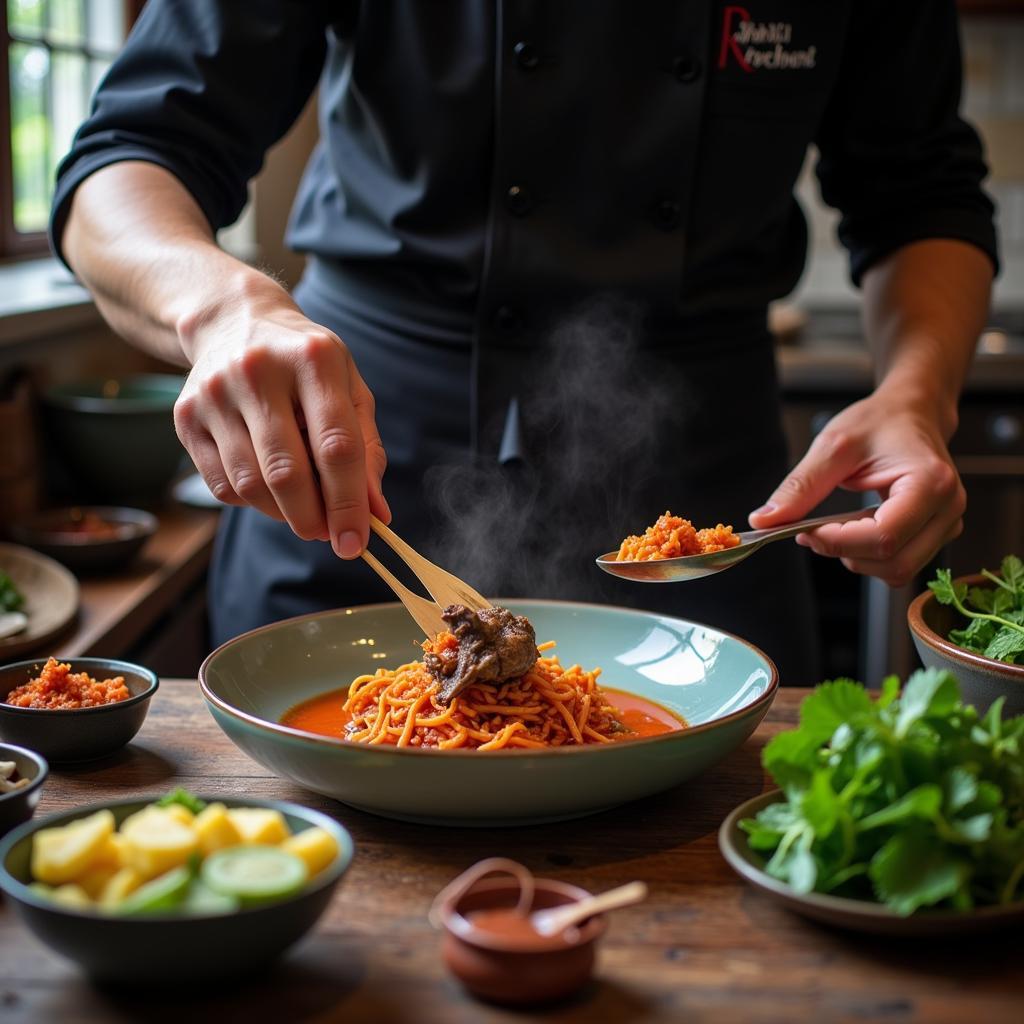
(720, 684)
(116, 434)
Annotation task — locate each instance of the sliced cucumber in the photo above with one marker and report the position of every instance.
(167, 892)
(254, 874)
(201, 899)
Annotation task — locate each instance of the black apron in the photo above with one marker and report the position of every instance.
(586, 436)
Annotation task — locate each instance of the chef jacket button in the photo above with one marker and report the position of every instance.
(518, 201)
(505, 319)
(686, 69)
(666, 215)
(526, 55)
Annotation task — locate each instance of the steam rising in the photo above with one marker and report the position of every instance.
(589, 411)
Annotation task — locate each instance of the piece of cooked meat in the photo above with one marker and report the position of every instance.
(494, 645)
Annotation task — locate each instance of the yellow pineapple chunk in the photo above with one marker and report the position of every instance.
(315, 846)
(261, 825)
(179, 812)
(112, 851)
(95, 880)
(71, 895)
(63, 853)
(156, 841)
(216, 829)
(122, 884)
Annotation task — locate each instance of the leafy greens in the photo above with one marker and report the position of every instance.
(11, 599)
(995, 614)
(912, 799)
(178, 795)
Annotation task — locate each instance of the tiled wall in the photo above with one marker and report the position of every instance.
(994, 102)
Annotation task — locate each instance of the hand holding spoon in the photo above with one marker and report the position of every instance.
(692, 567)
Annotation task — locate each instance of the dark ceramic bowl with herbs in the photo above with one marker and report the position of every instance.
(940, 634)
(162, 948)
(77, 734)
(88, 539)
(19, 804)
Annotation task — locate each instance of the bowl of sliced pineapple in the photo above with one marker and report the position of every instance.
(142, 892)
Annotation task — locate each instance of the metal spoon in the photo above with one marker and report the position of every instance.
(692, 567)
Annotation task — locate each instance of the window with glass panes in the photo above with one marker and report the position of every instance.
(54, 54)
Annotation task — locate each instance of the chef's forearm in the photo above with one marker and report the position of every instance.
(924, 308)
(140, 243)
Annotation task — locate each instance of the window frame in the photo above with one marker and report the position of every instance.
(14, 244)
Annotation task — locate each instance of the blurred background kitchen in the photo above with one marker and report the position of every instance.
(74, 431)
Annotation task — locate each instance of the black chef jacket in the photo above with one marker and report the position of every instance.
(484, 170)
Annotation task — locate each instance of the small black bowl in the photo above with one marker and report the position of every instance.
(78, 734)
(53, 534)
(164, 949)
(20, 805)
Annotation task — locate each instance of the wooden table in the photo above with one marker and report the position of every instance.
(704, 947)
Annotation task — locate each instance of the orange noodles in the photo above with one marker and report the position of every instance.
(549, 706)
(671, 537)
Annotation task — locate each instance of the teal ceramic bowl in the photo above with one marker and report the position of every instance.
(720, 684)
(116, 435)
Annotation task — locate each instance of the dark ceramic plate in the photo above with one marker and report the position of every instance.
(20, 805)
(82, 734)
(54, 534)
(982, 679)
(840, 912)
(165, 949)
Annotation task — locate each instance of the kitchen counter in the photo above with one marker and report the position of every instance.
(829, 356)
(119, 609)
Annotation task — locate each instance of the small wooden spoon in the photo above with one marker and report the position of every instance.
(557, 919)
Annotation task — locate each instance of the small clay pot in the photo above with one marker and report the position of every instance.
(516, 969)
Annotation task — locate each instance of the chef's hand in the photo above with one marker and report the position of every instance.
(275, 415)
(879, 444)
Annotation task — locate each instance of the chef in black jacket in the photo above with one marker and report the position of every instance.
(542, 239)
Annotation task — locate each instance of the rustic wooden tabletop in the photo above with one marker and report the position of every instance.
(704, 946)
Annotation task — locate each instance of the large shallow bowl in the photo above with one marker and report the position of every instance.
(77, 734)
(840, 911)
(720, 684)
(117, 434)
(173, 950)
(982, 679)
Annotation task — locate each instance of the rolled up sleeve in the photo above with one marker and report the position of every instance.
(202, 88)
(896, 159)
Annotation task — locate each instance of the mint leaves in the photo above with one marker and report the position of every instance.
(911, 799)
(996, 614)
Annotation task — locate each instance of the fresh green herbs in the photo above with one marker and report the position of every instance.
(996, 614)
(913, 799)
(183, 797)
(11, 599)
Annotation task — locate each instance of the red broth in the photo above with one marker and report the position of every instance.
(326, 716)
